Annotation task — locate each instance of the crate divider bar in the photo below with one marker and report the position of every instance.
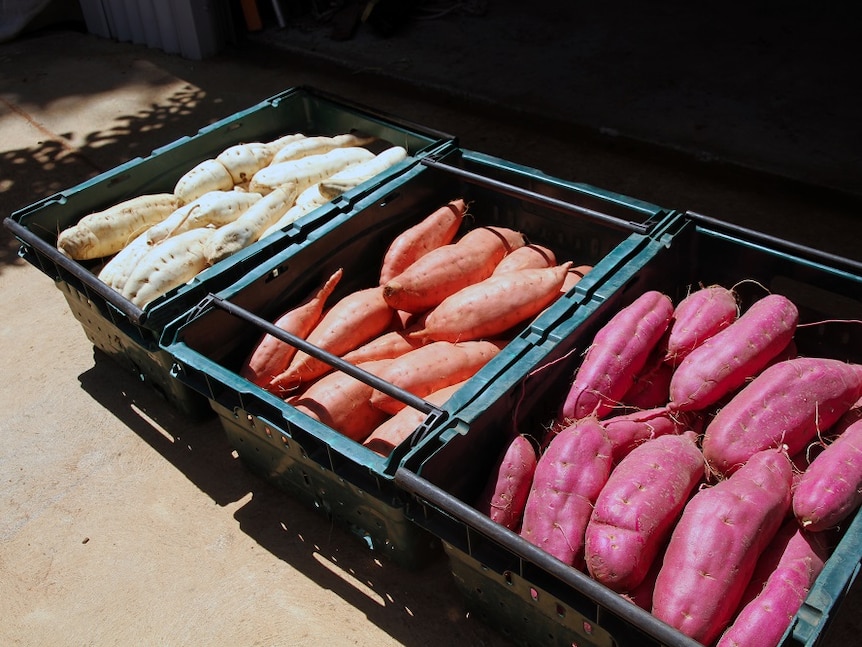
(336, 362)
(537, 198)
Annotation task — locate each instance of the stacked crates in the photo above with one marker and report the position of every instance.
(417, 504)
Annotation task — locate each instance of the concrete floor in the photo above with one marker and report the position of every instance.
(126, 524)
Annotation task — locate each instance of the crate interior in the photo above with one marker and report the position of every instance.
(459, 463)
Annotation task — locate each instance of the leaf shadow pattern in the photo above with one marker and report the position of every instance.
(54, 165)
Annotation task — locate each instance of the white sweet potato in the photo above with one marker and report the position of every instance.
(308, 170)
(106, 232)
(242, 161)
(167, 265)
(204, 177)
(214, 208)
(277, 144)
(117, 270)
(318, 145)
(249, 226)
(357, 174)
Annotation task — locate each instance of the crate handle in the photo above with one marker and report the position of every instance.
(423, 490)
(809, 252)
(87, 278)
(537, 198)
(318, 353)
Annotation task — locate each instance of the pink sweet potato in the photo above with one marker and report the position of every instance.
(696, 318)
(787, 404)
(651, 386)
(628, 430)
(619, 351)
(569, 476)
(715, 545)
(505, 494)
(641, 595)
(723, 362)
(830, 489)
(636, 510)
(783, 576)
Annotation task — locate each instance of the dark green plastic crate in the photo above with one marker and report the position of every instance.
(329, 471)
(130, 334)
(519, 588)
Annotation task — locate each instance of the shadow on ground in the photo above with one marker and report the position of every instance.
(409, 606)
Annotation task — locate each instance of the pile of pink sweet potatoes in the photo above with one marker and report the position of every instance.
(698, 464)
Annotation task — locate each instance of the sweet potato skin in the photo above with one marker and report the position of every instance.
(342, 402)
(635, 511)
(785, 404)
(397, 429)
(350, 322)
(526, 257)
(830, 489)
(697, 317)
(447, 269)
(783, 577)
(494, 305)
(569, 476)
(434, 230)
(715, 545)
(271, 356)
(433, 366)
(619, 351)
(723, 362)
(627, 431)
(508, 487)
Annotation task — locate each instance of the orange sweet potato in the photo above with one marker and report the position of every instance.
(271, 356)
(435, 230)
(396, 429)
(493, 306)
(342, 402)
(389, 345)
(432, 367)
(355, 319)
(447, 269)
(528, 256)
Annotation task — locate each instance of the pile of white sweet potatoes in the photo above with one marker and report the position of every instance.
(698, 465)
(155, 243)
(445, 303)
